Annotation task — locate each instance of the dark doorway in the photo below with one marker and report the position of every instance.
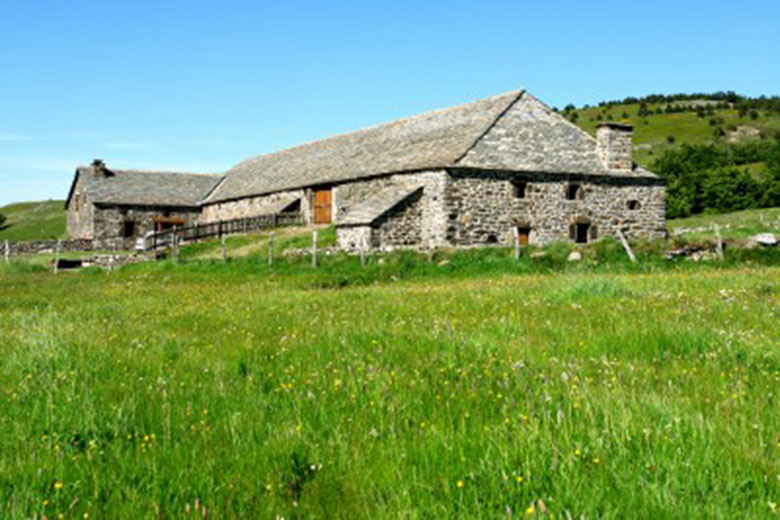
(581, 232)
(523, 233)
(128, 229)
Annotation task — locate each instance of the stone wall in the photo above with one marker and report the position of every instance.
(483, 207)
(354, 238)
(80, 212)
(32, 247)
(254, 206)
(429, 214)
(109, 223)
(401, 226)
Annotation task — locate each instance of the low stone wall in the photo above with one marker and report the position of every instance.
(34, 247)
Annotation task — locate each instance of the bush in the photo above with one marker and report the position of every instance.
(670, 139)
(2, 221)
(713, 177)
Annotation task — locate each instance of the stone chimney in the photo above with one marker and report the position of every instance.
(614, 145)
(99, 168)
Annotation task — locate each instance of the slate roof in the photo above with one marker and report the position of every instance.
(377, 205)
(446, 138)
(277, 206)
(147, 188)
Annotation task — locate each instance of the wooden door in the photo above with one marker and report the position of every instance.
(322, 206)
(522, 236)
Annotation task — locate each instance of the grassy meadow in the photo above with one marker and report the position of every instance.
(464, 385)
(651, 132)
(33, 220)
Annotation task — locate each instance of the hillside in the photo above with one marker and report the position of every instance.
(33, 220)
(669, 124)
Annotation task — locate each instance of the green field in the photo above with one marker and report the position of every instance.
(33, 220)
(651, 132)
(461, 386)
(739, 225)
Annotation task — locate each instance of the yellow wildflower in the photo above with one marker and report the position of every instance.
(460, 484)
(58, 485)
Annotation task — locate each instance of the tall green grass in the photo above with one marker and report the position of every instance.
(462, 386)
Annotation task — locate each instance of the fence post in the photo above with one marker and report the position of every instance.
(271, 248)
(224, 249)
(57, 256)
(363, 252)
(219, 228)
(175, 243)
(516, 235)
(196, 238)
(719, 246)
(111, 256)
(627, 247)
(7, 252)
(314, 248)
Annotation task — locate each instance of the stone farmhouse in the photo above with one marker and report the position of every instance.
(115, 207)
(476, 174)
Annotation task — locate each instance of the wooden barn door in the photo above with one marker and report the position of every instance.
(522, 235)
(322, 206)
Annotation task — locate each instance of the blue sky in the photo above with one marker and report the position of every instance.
(198, 86)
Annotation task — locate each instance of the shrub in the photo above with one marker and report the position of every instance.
(709, 177)
(2, 220)
(670, 139)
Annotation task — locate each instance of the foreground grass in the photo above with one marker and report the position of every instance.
(33, 220)
(259, 394)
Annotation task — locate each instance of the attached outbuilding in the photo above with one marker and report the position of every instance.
(115, 207)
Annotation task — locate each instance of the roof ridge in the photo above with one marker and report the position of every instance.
(377, 126)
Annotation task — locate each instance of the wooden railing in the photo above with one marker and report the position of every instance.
(179, 235)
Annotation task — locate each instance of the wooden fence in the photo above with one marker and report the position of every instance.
(220, 228)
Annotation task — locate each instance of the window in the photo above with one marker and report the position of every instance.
(519, 189)
(581, 233)
(128, 229)
(633, 205)
(573, 191)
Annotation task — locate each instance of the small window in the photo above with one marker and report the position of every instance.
(492, 239)
(582, 233)
(573, 191)
(128, 229)
(519, 189)
(633, 205)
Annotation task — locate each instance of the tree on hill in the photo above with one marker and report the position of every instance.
(2, 221)
(715, 178)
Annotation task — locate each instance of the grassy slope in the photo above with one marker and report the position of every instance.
(738, 225)
(33, 220)
(650, 133)
(599, 394)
